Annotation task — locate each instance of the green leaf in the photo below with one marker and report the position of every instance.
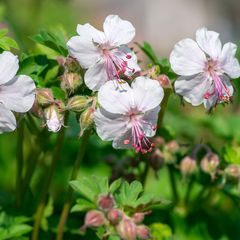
(6, 43)
(232, 154)
(161, 231)
(58, 93)
(83, 205)
(148, 50)
(115, 185)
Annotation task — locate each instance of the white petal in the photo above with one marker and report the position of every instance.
(209, 42)
(118, 142)
(229, 63)
(7, 120)
(193, 88)
(8, 66)
(84, 51)
(150, 118)
(18, 94)
(96, 76)
(187, 58)
(108, 125)
(115, 100)
(147, 93)
(118, 31)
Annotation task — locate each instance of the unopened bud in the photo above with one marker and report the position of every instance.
(86, 120)
(143, 232)
(54, 119)
(188, 166)
(209, 163)
(164, 81)
(106, 202)
(127, 229)
(71, 81)
(114, 216)
(44, 96)
(158, 141)
(233, 171)
(138, 217)
(93, 218)
(156, 159)
(172, 146)
(78, 103)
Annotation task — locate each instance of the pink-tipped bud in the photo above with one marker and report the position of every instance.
(233, 171)
(164, 81)
(209, 163)
(106, 202)
(143, 232)
(172, 146)
(138, 217)
(127, 229)
(78, 103)
(71, 81)
(44, 97)
(114, 216)
(188, 166)
(93, 218)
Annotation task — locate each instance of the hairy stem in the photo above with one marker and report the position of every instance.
(43, 196)
(68, 201)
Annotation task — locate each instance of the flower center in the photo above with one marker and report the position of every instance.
(138, 138)
(220, 90)
(117, 63)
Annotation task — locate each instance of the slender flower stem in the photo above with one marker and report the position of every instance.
(43, 196)
(20, 138)
(188, 192)
(173, 183)
(68, 201)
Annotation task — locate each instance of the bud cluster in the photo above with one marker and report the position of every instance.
(109, 216)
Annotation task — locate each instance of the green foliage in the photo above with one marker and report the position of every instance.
(13, 227)
(161, 231)
(232, 154)
(6, 43)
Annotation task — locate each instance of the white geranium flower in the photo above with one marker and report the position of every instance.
(129, 117)
(104, 54)
(17, 93)
(205, 68)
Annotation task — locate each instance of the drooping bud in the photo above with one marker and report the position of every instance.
(156, 159)
(188, 166)
(78, 103)
(127, 229)
(106, 202)
(143, 232)
(114, 216)
(44, 97)
(93, 218)
(54, 118)
(209, 163)
(164, 81)
(172, 146)
(233, 170)
(71, 81)
(86, 120)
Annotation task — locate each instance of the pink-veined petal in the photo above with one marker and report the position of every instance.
(187, 58)
(8, 66)
(115, 100)
(7, 120)
(96, 76)
(118, 31)
(209, 42)
(193, 88)
(147, 93)
(229, 64)
(18, 94)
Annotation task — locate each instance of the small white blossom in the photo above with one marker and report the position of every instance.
(129, 117)
(17, 93)
(205, 68)
(104, 54)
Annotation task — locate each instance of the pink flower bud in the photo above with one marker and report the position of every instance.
(233, 171)
(138, 217)
(209, 163)
(188, 165)
(71, 81)
(114, 216)
(127, 229)
(172, 146)
(143, 232)
(164, 81)
(44, 96)
(93, 218)
(106, 202)
(156, 159)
